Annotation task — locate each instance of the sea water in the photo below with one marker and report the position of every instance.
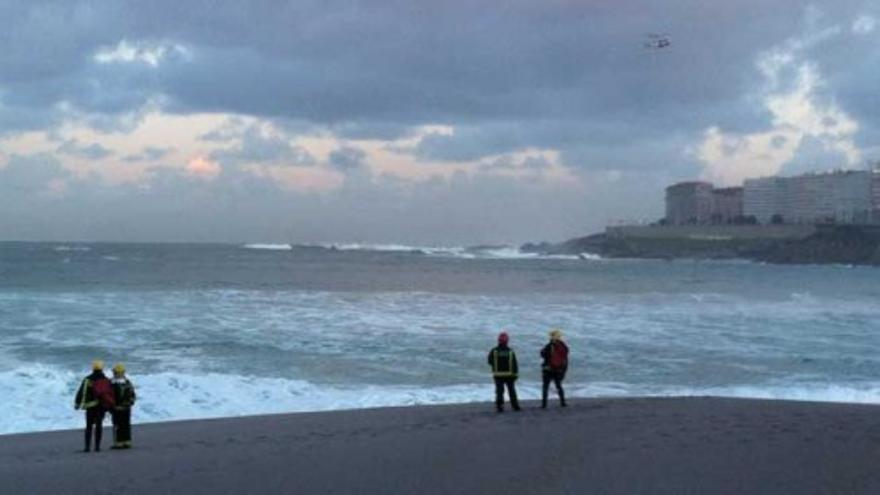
(224, 330)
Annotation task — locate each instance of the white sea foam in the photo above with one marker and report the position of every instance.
(643, 328)
(64, 248)
(272, 247)
(817, 392)
(476, 252)
(376, 247)
(43, 396)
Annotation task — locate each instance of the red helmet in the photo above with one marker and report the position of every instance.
(503, 338)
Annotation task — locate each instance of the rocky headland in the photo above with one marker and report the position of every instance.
(822, 244)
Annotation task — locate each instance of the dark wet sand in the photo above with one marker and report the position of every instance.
(689, 445)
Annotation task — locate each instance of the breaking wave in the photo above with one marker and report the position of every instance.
(67, 249)
(472, 252)
(271, 247)
(44, 396)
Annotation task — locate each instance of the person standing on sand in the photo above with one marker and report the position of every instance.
(95, 396)
(555, 355)
(502, 359)
(123, 392)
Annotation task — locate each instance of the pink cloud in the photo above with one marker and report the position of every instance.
(203, 168)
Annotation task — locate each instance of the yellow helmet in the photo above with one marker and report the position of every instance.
(97, 365)
(555, 334)
(119, 368)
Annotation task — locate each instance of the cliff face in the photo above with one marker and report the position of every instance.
(830, 244)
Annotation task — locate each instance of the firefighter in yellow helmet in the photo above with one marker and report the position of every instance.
(555, 356)
(95, 397)
(123, 390)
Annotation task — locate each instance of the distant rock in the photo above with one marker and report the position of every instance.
(591, 244)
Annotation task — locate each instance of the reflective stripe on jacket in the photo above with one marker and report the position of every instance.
(502, 359)
(123, 390)
(85, 398)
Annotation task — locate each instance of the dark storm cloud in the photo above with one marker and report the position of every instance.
(507, 76)
(401, 63)
(376, 69)
(449, 64)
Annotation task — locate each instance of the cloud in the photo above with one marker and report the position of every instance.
(236, 206)
(378, 69)
(371, 130)
(347, 158)
(446, 99)
(93, 151)
(508, 163)
(257, 143)
(231, 130)
(151, 54)
(801, 112)
(31, 174)
(203, 168)
(864, 24)
(150, 154)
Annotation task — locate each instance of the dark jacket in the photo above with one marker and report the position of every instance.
(123, 390)
(561, 350)
(502, 359)
(85, 395)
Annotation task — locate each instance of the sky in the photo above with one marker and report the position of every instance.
(413, 122)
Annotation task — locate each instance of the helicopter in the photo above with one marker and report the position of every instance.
(657, 41)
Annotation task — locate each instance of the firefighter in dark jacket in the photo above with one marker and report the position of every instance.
(502, 359)
(123, 391)
(95, 396)
(555, 355)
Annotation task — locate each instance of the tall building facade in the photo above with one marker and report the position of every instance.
(762, 198)
(840, 197)
(689, 203)
(727, 205)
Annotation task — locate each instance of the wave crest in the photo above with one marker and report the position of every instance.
(461, 252)
(270, 247)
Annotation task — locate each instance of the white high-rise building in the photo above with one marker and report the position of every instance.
(840, 197)
(763, 198)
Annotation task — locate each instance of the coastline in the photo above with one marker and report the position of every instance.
(776, 244)
(632, 445)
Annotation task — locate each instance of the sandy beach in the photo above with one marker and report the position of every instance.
(677, 445)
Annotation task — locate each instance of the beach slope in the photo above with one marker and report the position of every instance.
(657, 445)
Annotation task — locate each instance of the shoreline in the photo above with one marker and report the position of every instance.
(487, 405)
(139, 421)
(787, 244)
(608, 445)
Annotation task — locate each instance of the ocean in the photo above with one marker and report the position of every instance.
(226, 330)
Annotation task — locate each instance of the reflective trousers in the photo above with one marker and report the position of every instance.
(122, 427)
